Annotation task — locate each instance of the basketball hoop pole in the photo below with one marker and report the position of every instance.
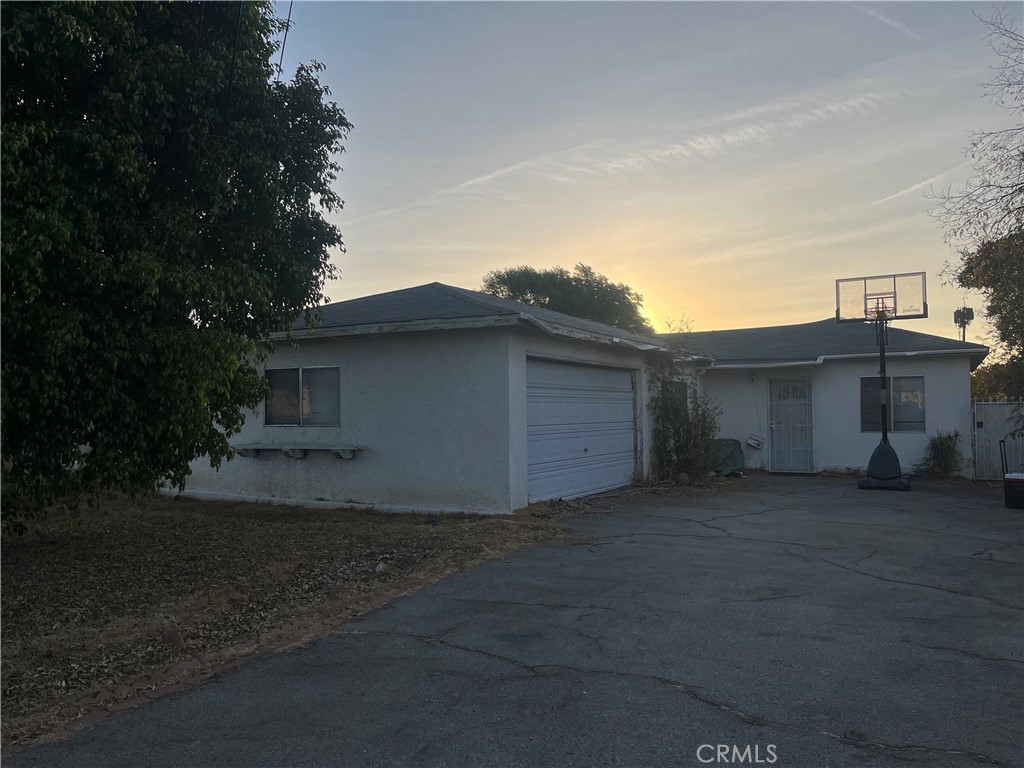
(884, 471)
(881, 329)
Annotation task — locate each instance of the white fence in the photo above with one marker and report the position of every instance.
(994, 422)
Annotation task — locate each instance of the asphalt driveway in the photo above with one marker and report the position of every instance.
(799, 620)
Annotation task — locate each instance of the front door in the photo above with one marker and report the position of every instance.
(790, 428)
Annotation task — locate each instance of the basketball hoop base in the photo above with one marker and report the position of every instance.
(884, 473)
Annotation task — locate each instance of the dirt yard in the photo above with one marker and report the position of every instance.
(135, 599)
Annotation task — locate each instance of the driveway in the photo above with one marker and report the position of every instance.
(816, 624)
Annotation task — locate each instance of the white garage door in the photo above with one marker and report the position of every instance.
(579, 427)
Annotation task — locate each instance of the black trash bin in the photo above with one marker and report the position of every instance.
(1013, 482)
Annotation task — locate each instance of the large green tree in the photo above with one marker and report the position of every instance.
(164, 211)
(581, 293)
(996, 270)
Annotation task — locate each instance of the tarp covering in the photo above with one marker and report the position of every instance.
(728, 457)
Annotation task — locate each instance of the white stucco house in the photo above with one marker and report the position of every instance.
(438, 398)
(805, 398)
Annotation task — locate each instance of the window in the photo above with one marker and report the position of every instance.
(307, 397)
(283, 401)
(906, 404)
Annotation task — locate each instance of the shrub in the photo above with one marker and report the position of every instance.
(685, 424)
(699, 452)
(942, 457)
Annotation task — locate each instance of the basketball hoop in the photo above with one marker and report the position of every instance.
(882, 310)
(880, 299)
(901, 296)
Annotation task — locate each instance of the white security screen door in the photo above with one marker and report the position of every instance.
(791, 437)
(579, 429)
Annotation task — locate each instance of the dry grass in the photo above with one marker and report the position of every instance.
(96, 608)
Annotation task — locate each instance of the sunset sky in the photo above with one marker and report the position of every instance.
(726, 160)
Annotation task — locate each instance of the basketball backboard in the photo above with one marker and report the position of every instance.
(893, 297)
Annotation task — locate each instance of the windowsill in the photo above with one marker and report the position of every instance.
(308, 426)
(296, 451)
(894, 432)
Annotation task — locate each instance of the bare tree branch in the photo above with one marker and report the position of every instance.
(991, 204)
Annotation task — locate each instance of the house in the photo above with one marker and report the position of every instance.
(438, 398)
(805, 398)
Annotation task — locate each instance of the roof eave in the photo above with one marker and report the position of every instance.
(407, 326)
(977, 355)
(579, 334)
(483, 321)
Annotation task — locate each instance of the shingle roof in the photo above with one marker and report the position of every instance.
(809, 341)
(437, 301)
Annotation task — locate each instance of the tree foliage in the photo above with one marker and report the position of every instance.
(581, 293)
(996, 270)
(998, 381)
(164, 203)
(985, 219)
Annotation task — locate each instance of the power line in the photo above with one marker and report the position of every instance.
(284, 42)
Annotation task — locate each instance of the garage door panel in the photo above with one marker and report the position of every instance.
(552, 408)
(565, 407)
(580, 430)
(557, 446)
(570, 482)
(540, 372)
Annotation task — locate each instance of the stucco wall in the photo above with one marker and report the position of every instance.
(528, 343)
(431, 411)
(835, 385)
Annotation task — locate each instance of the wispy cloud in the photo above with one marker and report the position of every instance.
(886, 20)
(915, 187)
(722, 135)
(748, 128)
(700, 140)
(470, 186)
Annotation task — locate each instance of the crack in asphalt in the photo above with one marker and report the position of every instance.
(998, 548)
(700, 695)
(963, 651)
(732, 535)
(940, 531)
(992, 600)
(761, 599)
(706, 524)
(693, 691)
(531, 604)
(868, 556)
(728, 535)
(978, 757)
(677, 518)
(742, 514)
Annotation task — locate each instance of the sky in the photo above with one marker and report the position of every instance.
(728, 160)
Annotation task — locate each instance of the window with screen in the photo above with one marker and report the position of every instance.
(304, 397)
(906, 404)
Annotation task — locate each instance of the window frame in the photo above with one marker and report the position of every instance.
(890, 411)
(300, 369)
